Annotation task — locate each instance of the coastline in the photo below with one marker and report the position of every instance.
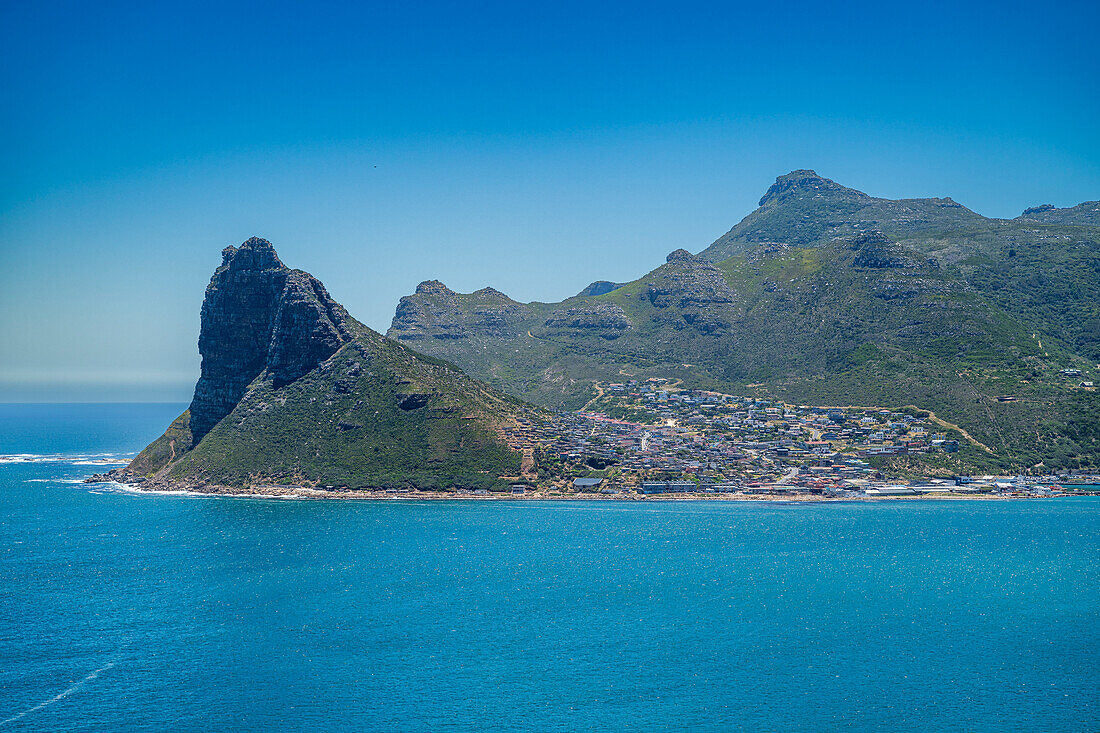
(301, 493)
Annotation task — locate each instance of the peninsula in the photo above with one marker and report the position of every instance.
(295, 392)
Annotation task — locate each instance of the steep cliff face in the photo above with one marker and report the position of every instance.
(259, 314)
(309, 327)
(295, 391)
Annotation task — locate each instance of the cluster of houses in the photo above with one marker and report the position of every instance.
(651, 437)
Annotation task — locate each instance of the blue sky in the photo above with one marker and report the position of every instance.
(533, 148)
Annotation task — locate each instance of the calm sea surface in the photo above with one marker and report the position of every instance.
(130, 612)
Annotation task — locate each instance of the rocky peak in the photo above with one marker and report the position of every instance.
(259, 315)
(686, 280)
(436, 312)
(1086, 213)
(255, 253)
(433, 287)
(875, 250)
(680, 255)
(802, 177)
(1037, 209)
(493, 294)
(599, 287)
(800, 183)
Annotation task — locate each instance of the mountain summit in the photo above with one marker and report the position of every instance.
(293, 390)
(803, 208)
(259, 316)
(802, 183)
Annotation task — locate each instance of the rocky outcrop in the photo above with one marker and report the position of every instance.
(1086, 213)
(435, 311)
(687, 281)
(413, 401)
(259, 314)
(680, 255)
(605, 319)
(693, 293)
(429, 312)
(417, 319)
(600, 287)
(873, 249)
(805, 182)
(1033, 210)
(434, 287)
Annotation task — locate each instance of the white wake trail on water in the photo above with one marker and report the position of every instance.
(60, 696)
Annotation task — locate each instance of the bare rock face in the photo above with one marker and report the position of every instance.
(693, 293)
(258, 314)
(607, 320)
(680, 255)
(874, 250)
(437, 312)
(1040, 209)
(687, 281)
(433, 287)
(309, 327)
(414, 318)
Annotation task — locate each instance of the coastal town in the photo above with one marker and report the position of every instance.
(654, 438)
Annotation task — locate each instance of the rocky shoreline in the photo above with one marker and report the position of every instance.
(156, 486)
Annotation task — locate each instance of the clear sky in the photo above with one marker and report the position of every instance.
(534, 147)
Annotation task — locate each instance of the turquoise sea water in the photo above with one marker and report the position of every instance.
(136, 612)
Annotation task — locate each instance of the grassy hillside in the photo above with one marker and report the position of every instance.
(374, 415)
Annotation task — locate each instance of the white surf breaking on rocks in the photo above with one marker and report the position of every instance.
(114, 487)
(75, 459)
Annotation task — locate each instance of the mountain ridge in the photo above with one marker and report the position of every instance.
(823, 293)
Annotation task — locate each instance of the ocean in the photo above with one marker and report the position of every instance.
(122, 611)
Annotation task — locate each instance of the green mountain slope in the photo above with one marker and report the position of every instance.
(295, 391)
(810, 300)
(1043, 267)
(803, 208)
